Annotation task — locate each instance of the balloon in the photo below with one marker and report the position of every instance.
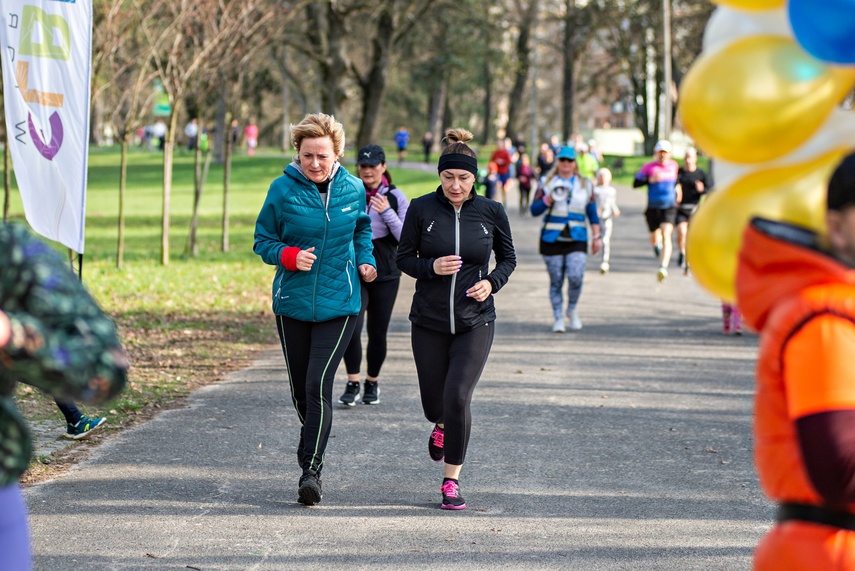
(759, 98)
(751, 4)
(794, 194)
(825, 28)
(726, 25)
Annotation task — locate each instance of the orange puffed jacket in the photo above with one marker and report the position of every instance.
(802, 301)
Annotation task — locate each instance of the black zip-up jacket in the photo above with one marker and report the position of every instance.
(433, 229)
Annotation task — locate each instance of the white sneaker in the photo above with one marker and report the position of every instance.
(604, 268)
(575, 322)
(662, 274)
(558, 326)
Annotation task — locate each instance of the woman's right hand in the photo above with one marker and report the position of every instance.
(305, 259)
(447, 265)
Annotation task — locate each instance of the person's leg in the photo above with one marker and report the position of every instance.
(328, 341)
(430, 353)
(651, 216)
(467, 355)
(15, 551)
(353, 353)
(294, 335)
(575, 264)
(382, 302)
(665, 258)
(77, 424)
(69, 410)
(555, 269)
(608, 224)
(726, 311)
(681, 230)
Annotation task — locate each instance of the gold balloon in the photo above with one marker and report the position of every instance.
(751, 4)
(759, 98)
(794, 194)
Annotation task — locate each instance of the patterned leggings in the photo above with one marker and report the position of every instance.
(571, 266)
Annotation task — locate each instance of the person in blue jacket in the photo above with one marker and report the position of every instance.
(314, 228)
(446, 244)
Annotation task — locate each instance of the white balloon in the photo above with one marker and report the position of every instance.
(835, 133)
(727, 24)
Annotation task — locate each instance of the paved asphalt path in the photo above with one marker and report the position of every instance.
(626, 445)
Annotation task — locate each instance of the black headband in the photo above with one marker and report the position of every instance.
(458, 161)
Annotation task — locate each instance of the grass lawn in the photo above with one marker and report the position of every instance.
(187, 323)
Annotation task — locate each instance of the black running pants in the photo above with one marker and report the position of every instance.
(378, 300)
(313, 351)
(449, 367)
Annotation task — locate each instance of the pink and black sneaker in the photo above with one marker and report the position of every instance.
(451, 498)
(436, 444)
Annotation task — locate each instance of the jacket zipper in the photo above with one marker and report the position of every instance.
(454, 276)
(323, 247)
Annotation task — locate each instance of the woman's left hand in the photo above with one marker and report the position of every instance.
(480, 291)
(596, 244)
(379, 203)
(368, 272)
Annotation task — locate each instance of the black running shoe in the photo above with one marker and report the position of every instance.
(436, 444)
(309, 492)
(351, 393)
(451, 498)
(371, 393)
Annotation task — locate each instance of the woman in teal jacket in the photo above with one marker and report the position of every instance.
(314, 229)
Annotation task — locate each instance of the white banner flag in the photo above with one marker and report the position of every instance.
(47, 47)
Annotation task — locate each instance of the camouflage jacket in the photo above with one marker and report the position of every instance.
(61, 341)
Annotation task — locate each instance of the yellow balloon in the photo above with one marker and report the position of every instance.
(751, 4)
(759, 98)
(794, 194)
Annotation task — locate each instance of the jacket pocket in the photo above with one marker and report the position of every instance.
(352, 281)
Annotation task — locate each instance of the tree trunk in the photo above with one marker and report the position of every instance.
(168, 148)
(328, 32)
(523, 50)
(487, 105)
(374, 86)
(220, 131)
(437, 106)
(227, 175)
(192, 242)
(123, 184)
(568, 91)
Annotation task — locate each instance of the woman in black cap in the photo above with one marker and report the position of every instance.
(446, 244)
(387, 206)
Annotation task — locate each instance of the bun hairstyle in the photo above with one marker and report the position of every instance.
(457, 139)
(457, 154)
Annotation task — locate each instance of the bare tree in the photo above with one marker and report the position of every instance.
(125, 75)
(394, 23)
(197, 33)
(528, 20)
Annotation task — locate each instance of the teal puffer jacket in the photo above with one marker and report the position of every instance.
(295, 214)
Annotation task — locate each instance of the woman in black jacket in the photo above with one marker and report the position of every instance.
(446, 244)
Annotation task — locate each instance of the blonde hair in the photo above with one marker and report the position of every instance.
(605, 174)
(457, 139)
(316, 125)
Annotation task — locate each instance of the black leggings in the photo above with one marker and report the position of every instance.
(313, 352)
(449, 367)
(378, 299)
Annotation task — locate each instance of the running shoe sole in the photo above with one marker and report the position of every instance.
(309, 493)
(86, 434)
(452, 507)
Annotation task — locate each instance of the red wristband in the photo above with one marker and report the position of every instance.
(288, 257)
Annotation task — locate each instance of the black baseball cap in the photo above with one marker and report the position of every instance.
(371, 155)
(841, 187)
